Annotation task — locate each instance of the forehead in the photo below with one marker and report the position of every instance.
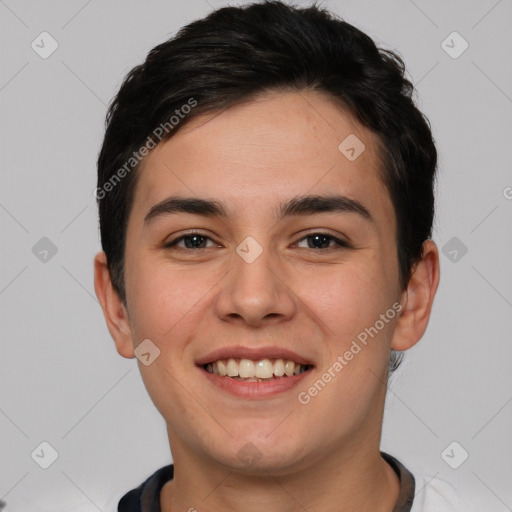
(279, 145)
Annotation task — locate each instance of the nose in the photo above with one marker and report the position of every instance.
(255, 292)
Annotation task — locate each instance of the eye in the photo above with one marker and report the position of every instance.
(192, 241)
(197, 240)
(323, 241)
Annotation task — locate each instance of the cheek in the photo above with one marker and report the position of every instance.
(165, 306)
(346, 298)
(162, 299)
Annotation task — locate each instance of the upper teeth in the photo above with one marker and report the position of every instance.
(262, 369)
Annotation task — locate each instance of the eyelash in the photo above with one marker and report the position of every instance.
(173, 243)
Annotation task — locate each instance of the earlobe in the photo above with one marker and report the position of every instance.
(417, 299)
(115, 312)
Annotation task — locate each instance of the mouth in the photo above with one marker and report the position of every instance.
(261, 370)
(254, 373)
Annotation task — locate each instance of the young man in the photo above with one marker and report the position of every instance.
(265, 190)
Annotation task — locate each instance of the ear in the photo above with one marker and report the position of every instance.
(115, 311)
(417, 299)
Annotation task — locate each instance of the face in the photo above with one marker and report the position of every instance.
(257, 280)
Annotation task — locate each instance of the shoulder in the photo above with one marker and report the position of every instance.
(434, 494)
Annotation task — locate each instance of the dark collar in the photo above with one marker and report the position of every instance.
(146, 497)
(407, 484)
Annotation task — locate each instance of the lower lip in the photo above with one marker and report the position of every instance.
(255, 390)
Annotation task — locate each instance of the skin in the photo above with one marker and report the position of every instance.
(322, 456)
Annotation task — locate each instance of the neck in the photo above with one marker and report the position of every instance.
(353, 479)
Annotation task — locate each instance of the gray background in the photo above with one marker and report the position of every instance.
(62, 380)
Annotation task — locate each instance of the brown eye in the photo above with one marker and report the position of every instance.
(192, 241)
(323, 241)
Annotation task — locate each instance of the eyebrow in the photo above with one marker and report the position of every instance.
(300, 205)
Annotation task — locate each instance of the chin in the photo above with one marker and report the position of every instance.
(262, 451)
